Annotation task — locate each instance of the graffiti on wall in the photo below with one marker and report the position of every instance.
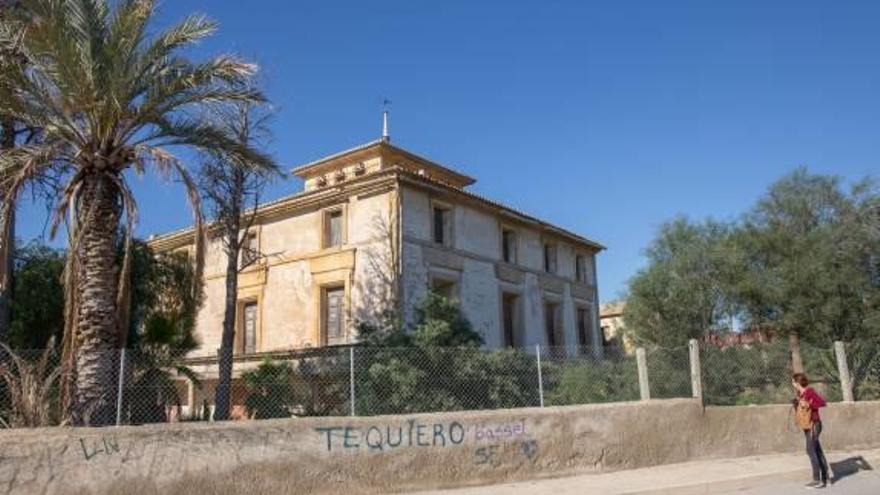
(380, 438)
(107, 445)
(504, 443)
(497, 444)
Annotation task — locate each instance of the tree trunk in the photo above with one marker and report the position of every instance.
(222, 396)
(7, 142)
(794, 346)
(96, 343)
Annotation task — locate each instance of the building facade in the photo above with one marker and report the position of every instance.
(377, 227)
(611, 322)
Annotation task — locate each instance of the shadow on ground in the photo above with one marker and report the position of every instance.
(849, 467)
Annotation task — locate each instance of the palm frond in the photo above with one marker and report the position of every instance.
(205, 135)
(167, 165)
(191, 30)
(18, 166)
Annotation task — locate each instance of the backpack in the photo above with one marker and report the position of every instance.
(803, 417)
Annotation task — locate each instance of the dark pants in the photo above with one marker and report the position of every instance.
(817, 457)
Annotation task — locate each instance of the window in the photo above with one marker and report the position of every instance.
(583, 327)
(249, 335)
(549, 258)
(249, 253)
(510, 319)
(508, 245)
(441, 229)
(580, 268)
(334, 312)
(443, 287)
(333, 229)
(551, 321)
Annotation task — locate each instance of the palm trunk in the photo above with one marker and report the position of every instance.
(7, 142)
(222, 396)
(96, 318)
(794, 346)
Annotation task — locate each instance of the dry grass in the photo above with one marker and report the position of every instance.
(31, 387)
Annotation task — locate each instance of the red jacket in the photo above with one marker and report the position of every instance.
(815, 401)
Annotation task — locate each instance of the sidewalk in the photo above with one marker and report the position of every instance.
(700, 477)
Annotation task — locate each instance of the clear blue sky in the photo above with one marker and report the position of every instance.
(607, 118)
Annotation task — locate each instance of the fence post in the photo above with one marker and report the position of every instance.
(540, 376)
(696, 377)
(642, 363)
(121, 381)
(351, 378)
(843, 371)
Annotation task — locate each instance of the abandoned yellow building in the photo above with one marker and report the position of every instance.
(377, 226)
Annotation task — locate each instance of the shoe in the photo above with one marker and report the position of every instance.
(815, 485)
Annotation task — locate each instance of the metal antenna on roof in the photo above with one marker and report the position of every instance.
(386, 104)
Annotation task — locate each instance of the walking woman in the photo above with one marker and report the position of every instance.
(808, 403)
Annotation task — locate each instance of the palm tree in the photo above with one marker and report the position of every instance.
(110, 100)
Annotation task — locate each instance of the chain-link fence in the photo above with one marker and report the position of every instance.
(149, 387)
(757, 373)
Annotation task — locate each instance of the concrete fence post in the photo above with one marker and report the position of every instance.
(642, 363)
(540, 376)
(119, 386)
(351, 396)
(843, 371)
(696, 376)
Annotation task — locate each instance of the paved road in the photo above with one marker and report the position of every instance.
(766, 475)
(862, 483)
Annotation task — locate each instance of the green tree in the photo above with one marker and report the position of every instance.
(809, 250)
(438, 365)
(161, 331)
(271, 391)
(109, 99)
(161, 327)
(683, 292)
(38, 301)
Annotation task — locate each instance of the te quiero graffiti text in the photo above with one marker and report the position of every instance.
(381, 438)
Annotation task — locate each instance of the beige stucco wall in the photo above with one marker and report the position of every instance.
(472, 258)
(285, 281)
(387, 454)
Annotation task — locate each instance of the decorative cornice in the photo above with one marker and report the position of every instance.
(370, 183)
(388, 152)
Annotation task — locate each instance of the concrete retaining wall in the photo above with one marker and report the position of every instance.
(395, 453)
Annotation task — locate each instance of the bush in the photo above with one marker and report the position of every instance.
(270, 391)
(30, 389)
(755, 374)
(438, 365)
(587, 381)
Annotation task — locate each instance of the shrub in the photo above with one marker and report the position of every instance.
(270, 390)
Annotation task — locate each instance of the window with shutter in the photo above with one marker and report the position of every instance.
(580, 268)
(550, 318)
(508, 245)
(549, 258)
(583, 327)
(334, 229)
(249, 336)
(509, 304)
(334, 321)
(441, 225)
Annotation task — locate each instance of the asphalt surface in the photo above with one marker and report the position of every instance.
(861, 483)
